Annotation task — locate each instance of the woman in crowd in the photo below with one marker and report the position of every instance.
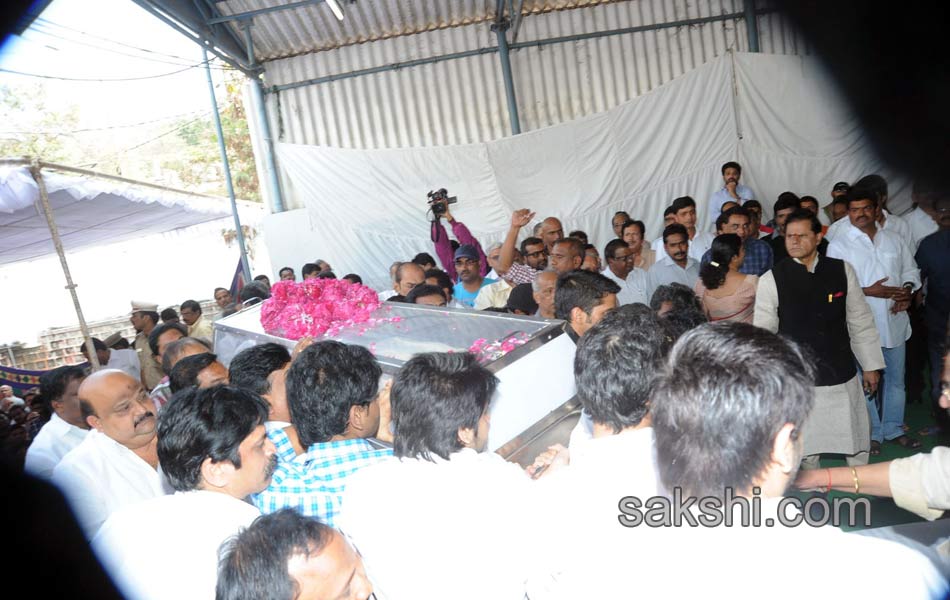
(632, 233)
(726, 294)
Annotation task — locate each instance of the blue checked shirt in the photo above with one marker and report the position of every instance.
(313, 482)
(758, 257)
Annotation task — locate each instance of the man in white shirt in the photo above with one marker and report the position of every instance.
(888, 274)
(923, 219)
(8, 399)
(117, 463)
(198, 325)
(876, 186)
(403, 514)
(126, 361)
(727, 408)
(731, 191)
(66, 428)
(684, 211)
(620, 269)
(214, 450)
(679, 266)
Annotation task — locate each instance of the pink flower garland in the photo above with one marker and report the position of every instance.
(316, 307)
(486, 351)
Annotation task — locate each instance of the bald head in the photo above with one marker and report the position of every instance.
(408, 276)
(551, 231)
(117, 405)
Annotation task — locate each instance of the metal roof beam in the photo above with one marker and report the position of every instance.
(262, 11)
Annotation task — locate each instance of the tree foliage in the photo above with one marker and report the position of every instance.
(32, 128)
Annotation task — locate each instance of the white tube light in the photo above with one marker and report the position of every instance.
(335, 7)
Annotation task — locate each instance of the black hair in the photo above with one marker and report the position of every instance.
(530, 241)
(433, 396)
(589, 247)
(185, 372)
(677, 294)
(424, 290)
(724, 248)
(423, 258)
(581, 289)
(354, 278)
(254, 562)
(803, 214)
(326, 275)
(159, 330)
(444, 281)
(674, 229)
(220, 289)
(455, 245)
(785, 200)
(726, 391)
(681, 203)
(522, 298)
(255, 289)
(151, 315)
(615, 363)
(53, 383)
(250, 368)
(731, 165)
(668, 211)
(323, 382)
(199, 424)
(677, 322)
(309, 269)
(857, 193)
(169, 313)
(750, 204)
(573, 245)
(812, 199)
(843, 199)
(640, 224)
(577, 234)
(191, 305)
(721, 221)
(174, 350)
(738, 210)
(262, 278)
(284, 269)
(612, 246)
(876, 184)
(97, 344)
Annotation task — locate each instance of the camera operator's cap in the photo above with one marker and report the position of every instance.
(139, 306)
(467, 251)
(841, 186)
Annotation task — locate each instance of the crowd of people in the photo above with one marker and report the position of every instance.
(707, 363)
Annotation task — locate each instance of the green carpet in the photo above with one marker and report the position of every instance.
(883, 511)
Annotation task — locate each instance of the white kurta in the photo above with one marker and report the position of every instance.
(447, 529)
(886, 256)
(50, 445)
(167, 547)
(100, 476)
(633, 289)
(921, 225)
(838, 422)
(893, 223)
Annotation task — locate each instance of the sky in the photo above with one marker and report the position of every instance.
(94, 39)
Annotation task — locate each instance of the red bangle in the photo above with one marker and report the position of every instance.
(829, 479)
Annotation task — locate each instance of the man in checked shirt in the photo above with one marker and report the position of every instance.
(335, 405)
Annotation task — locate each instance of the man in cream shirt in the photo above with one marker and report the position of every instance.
(117, 463)
(66, 429)
(214, 450)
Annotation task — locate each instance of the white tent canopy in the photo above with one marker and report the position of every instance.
(93, 209)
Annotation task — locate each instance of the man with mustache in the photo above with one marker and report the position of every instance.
(731, 190)
(117, 463)
(886, 270)
(214, 450)
(678, 266)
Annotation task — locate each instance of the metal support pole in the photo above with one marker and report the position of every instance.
(752, 25)
(257, 91)
(58, 244)
(227, 171)
(500, 28)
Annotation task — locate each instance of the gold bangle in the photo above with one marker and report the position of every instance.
(857, 484)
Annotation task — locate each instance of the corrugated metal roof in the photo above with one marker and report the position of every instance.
(313, 28)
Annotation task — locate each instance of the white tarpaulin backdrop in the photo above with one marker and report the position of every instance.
(777, 115)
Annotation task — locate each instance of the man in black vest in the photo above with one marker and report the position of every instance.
(818, 302)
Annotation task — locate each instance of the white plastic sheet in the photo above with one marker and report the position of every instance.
(777, 115)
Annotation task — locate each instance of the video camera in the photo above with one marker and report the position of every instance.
(439, 201)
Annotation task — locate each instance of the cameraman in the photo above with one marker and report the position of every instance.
(443, 246)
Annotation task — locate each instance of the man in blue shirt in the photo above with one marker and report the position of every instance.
(731, 190)
(468, 267)
(758, 254)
